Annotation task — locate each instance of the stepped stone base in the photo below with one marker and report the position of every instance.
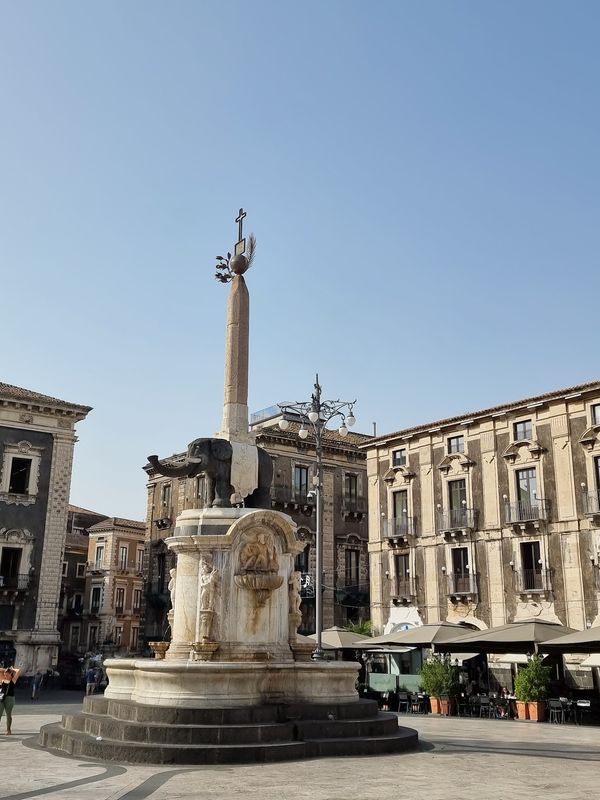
(117, 730)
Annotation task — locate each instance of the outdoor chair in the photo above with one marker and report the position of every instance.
(416, 704)
(583, 709)
(403, 702)
(556, 712)
(463, 706)
(474, 705)
(486, 709)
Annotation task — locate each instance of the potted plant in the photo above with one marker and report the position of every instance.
(532, 686)
(439, 679)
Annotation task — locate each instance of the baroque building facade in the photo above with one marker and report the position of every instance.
(345, 530)
(37, 437)
(489, 517)
(73, 601)
(114, 586)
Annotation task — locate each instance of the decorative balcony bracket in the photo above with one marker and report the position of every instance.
(524, 527)
(513, 451)
(398, 541)
(455, 534)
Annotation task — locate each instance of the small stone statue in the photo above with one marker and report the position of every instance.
(171, 586)
(294, 593)
(209, 582)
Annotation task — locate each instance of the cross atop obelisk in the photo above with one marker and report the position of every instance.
(234, 425)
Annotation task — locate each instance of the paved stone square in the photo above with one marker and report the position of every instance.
(466, 758)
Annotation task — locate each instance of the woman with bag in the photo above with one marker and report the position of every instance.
(8, 678)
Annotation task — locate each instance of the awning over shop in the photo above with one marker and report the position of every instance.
(587, 641)
(420, 636)
(591, 661)
(339, 638)
(516, 637)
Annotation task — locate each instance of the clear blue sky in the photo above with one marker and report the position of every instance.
(422, 178)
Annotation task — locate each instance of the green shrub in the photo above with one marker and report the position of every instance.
(439, 677)
(361, 628)
(532, 684)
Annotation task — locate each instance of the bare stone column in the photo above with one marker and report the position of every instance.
(186, 601)
(234, 425)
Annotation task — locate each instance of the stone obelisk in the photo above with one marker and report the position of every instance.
(234, 424)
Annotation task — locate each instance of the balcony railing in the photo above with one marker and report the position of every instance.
(457, 519)
(526, 511)
(591, 503)
(352, 594)
(132, 567)
(96, 566)
(17, 583)
(460, 583)
(354, 505)
(533, 580)
(404, 588)
(95, 608)
(118, 609)
(307, 585)
(401, 527)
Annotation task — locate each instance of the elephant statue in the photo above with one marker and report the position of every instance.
(213, 458)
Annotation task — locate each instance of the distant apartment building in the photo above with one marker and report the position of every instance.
(345, 554)
(490, 517)
(114, 585)
(37, 436)
(74, 574)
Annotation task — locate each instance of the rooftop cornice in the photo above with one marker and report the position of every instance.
(573, 392)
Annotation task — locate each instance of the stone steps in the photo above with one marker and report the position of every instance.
(123, 731)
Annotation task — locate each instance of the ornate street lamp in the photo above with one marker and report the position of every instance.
(314, 416)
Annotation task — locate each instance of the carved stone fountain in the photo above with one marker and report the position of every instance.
(236, 683)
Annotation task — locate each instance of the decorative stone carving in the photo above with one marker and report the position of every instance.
(295, 615)
(457, 462)
(19, 450)
(26, 417)
(398, 475)
(209, 582)
(203, 651)
(520, 449)
(16, 536)
(159, 649)
(172, 584)
(591, 437)
(259, 566)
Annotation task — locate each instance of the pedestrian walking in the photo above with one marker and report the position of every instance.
(36, 685)
(90, 681)
(8, 678)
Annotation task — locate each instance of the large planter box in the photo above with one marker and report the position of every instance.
(536, 711)
(522, 711)
(435, 705)
(447, 706)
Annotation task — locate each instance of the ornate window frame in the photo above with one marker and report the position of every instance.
(19, 538)
(25, 450)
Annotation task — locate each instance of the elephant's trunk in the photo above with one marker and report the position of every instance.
(170, 470)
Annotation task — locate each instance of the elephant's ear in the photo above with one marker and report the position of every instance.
(221, 449)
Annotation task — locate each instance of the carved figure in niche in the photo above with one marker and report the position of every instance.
(209, 582)
(259, 554)
(295, 598)
(171, 586)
